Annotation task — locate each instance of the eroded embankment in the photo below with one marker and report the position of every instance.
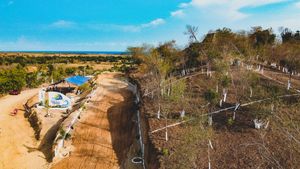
(150, 153)
(105, 135)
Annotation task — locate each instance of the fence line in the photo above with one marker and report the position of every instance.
(169, 84)
(222, 110)
(134, 89)
(60, 142)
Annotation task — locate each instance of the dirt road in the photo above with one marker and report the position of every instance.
(103, 135)
(17, 137)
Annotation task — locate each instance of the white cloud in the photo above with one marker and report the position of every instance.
(184, 5)
(228, 9)
(112, 27)
(290, 22)
(63, 24)
(25, 44)
(297, 4)
(153, 23)
(22, 43)
(10, 3)
(125, 28)
(236, 4)
(178, 13)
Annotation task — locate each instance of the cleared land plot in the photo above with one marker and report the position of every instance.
(16, 135)
(103, 135)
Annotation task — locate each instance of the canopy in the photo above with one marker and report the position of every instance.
(77, 80)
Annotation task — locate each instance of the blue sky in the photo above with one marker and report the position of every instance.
(117, 24)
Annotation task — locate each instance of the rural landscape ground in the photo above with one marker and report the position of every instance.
(157, 84)
(102, 138)
(16, 135)
(229, 100)
(105, 132)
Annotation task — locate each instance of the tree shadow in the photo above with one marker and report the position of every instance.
(122, 126)
(243, 121)
(46, 145)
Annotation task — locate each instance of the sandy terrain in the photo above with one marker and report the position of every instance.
(105, 131)
(17, 137)
(102, 138)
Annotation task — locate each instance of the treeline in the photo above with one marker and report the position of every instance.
(18, 77)
(256, 45)
(25, 60)
(219, 55)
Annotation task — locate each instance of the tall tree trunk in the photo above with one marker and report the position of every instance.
(161, 89)
(289, 82)
(224, 94)
(208, 73)
(182, 114)
(167, 138)
(234, 111)
(158, 112)
(210, 119)
(233, 117)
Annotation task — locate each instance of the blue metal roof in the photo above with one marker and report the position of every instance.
(77, 80)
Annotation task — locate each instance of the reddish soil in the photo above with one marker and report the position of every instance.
(17, 136)
(105, 132)
(236, 145)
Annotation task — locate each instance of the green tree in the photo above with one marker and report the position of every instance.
(212, 98)
(70, 71)
(12, 79)
(31, 80)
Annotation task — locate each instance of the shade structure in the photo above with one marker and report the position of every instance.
(77, 80)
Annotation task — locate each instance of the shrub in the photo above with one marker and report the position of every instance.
(62, 132)
(165, 151)
(211, 96)
(84, 87)
(230, 121)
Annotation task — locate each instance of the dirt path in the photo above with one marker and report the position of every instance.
(16, 135)
(105, 131)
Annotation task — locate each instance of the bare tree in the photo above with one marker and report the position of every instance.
(192, 32)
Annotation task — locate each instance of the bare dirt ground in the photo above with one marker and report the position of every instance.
(236, 145)
(16, 135)
(103, 135)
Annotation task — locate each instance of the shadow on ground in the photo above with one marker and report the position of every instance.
(123, 130)
(47, 142)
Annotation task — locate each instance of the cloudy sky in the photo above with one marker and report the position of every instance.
(116, 24)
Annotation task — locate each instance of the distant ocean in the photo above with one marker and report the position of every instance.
(75, 52)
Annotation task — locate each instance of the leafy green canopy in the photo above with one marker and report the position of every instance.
(13, 79)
